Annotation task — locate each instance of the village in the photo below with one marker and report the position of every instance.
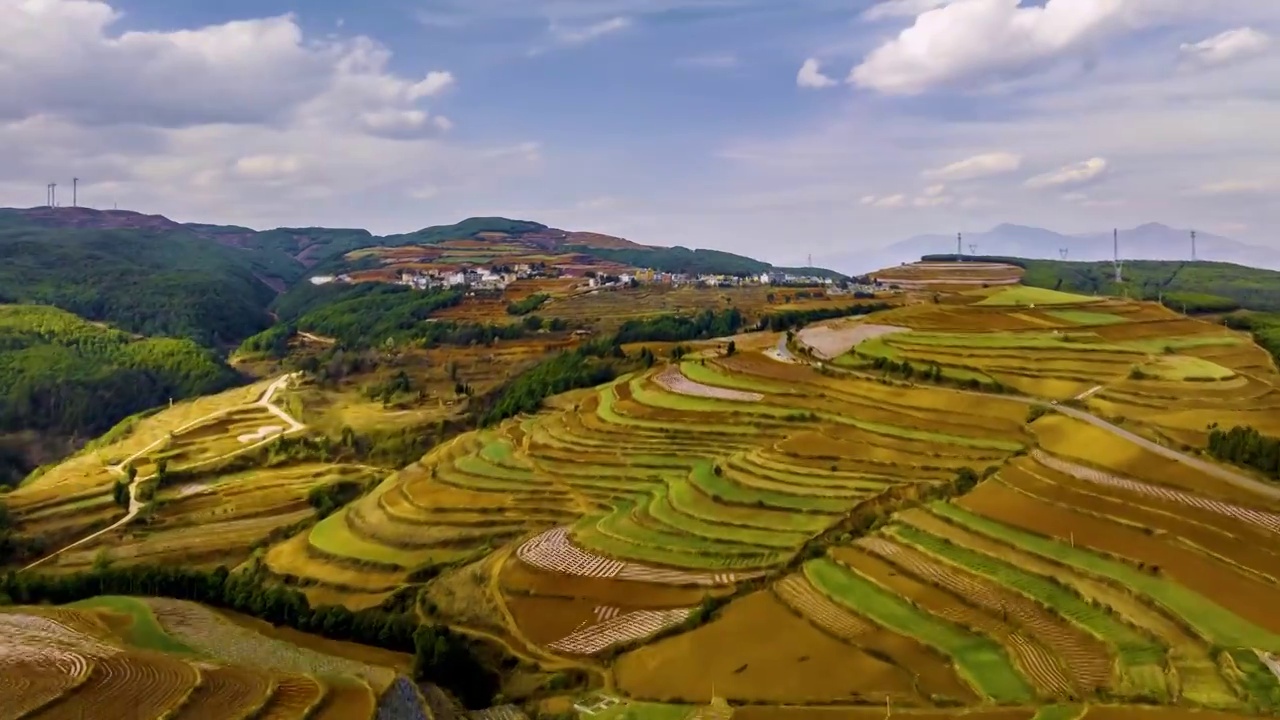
(499, 276)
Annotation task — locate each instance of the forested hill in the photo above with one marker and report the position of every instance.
(65, 376)
(1196, 286)
(213, 283)
(152, 282)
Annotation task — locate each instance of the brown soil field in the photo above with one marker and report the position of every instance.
(346, 699)
(1241, 594)
(764, 712)
(1250, 551)
(1106, 712)
(759, 651)
(1035, 661)
(1190, 656)
(1084, 657)
(518, 579)
(933, 672)
(1122, 602)
(337, 648)
(545, 620)
(1081, 442)
(1245, 532)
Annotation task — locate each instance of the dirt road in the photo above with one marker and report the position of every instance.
(136, 505)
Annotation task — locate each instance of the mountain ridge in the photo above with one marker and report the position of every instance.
(310, 247)
(1148, 241)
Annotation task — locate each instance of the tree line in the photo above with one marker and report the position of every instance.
(703, 325)
(527, 305)
(1245, 446)
(791, 319)
(1265, 328)
(443, 657)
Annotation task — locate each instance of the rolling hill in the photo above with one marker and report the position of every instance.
(1152, 241)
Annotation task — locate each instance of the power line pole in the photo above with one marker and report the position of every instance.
(1115, 243)
(959, 248)
(1193, 246)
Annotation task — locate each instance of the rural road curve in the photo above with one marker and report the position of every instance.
(316, 338)
(136, 505)
(784, 352)
(1240, 480)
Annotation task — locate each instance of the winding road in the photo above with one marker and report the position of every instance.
(1222, 473)
(1240, 480)
(136, 505)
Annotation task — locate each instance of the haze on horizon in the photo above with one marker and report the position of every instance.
(776, 131)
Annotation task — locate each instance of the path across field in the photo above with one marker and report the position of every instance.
(136, 505)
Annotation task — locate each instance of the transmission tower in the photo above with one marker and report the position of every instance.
(1115, 244)
(960, 247)
(973, 249)
(53, 194)
(1193, 246)
(1062, 253)
(75, 182)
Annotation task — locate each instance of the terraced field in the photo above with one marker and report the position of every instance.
(797, 537)
(949, 275)
(1135, 360)
(704, 474)
(185, 661)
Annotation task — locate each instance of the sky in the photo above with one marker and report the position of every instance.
(774, 129)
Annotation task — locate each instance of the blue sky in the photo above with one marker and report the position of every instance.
(774, 129)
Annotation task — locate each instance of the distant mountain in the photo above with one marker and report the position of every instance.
(1152, 241)
(213, 283)
(282, 256)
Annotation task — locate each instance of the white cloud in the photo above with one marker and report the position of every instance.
(811, 76)
(926, 201)
(586, 33)
(250, 121)
(55, 56)
(267, 167)
(975, 38)
(900, 8)
(1227, 47)
(885, 201)
(1231, 187)
(978, 166)
(935, 190)
(1080, 173)
(1086, 200)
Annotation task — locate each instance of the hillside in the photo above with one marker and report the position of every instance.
(194, 661)
(153, 281)
(62, 376)
(214, 283)
(1151, 241)
(1001, 490)
(1181, 283)
(913, 500)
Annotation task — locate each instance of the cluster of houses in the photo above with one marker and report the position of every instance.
(498, 277)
